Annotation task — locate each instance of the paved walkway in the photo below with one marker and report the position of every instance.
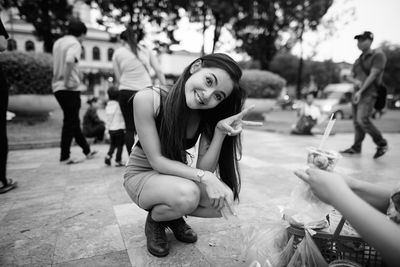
(80, 215)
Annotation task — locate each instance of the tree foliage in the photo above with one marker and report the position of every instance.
(286, 65)
(28, 73)
(215, 13)
(164, 13)
(48, 17)
(260, 24)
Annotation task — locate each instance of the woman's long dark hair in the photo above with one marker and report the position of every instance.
(174, 120)
(132, 37)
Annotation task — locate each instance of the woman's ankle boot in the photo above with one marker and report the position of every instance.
(182, 231)
(157, 242)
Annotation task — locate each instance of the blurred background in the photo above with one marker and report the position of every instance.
(286, 48)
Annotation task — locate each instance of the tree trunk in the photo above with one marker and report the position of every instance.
(300, 69)
(217, 31)
(46, 27)
(204, 30)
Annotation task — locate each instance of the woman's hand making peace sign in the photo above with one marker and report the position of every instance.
(233, 125)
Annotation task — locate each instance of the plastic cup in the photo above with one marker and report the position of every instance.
(322, 159)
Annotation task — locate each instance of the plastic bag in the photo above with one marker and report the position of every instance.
(307, 254)
(305, 210)
(269, 246)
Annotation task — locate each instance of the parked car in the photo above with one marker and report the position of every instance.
(285, 101)
(336, 98)
(393, 101)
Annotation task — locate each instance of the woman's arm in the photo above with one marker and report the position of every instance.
(155, 64)
(3, 43)
(117, 71)
(374, 227)
(376, 195)
(209, 151)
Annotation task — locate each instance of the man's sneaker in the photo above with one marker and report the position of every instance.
(380, 151)
(119, 164)
(69, 161)
(107, 161)
(350, 151)
(91, 154)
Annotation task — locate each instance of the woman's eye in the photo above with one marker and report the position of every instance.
(208, 81)
(218, 97)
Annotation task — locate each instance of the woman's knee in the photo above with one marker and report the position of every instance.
(186, 198)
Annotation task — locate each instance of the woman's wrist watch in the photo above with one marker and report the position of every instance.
(200, 174)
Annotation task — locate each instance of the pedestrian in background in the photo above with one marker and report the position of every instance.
(132, 63)
(7, 184)
(309, 115)
(367, 76)
(92, 125)
(66, 55)
(115, 125)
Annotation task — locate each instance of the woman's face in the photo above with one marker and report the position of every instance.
(207, 87)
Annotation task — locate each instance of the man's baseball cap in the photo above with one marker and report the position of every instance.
(365, 35)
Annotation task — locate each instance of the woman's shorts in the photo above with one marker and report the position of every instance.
(138, 172)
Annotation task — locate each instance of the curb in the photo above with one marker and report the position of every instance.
(34, 145)
(41, 144)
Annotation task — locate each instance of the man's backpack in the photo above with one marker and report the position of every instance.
(381, 98)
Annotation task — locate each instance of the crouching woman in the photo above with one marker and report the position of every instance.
(205, 102)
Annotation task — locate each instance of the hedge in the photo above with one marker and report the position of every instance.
(28, 73)
(262, 84)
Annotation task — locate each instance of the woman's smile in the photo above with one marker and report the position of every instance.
(199, 98)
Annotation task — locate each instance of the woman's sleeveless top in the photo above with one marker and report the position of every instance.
(158, 96)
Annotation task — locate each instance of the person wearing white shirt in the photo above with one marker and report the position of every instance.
(132, 64)
(65, 84)
(309, 116)
(115, 125)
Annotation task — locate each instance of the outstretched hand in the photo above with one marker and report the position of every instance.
(234, 125)
(325, 185)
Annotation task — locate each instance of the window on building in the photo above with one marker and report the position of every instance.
(11, 45)
(83, 54)
(96, 53)
(110, 53)
(29, 46)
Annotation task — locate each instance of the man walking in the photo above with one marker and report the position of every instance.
(367, 75)
(66, 53)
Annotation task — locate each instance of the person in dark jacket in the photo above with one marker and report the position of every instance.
(93, 126)
(6, 183)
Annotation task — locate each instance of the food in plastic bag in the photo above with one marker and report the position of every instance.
(307, 254)
(269, 246)
(305, 210)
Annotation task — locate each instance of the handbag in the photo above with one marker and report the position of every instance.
(380, 102)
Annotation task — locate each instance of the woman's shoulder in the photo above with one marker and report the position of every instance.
(148, 94)
(144, 94)
(121, 51)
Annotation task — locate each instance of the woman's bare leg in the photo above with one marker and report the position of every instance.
(169, 197)
(205, 210)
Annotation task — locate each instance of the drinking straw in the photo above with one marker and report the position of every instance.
(328, 130)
